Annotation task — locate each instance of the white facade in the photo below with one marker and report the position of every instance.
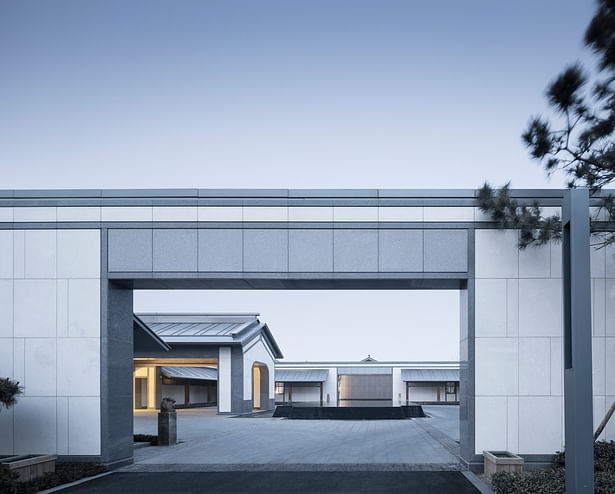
(50, 339)
(519, 348)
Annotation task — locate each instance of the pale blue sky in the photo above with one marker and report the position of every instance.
(319, 93)
(290, 94)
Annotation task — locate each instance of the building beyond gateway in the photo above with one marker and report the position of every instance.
(230, 361)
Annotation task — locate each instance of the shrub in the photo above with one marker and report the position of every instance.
(552, 481)
(9, 390)
(65, 473)
(8, 480)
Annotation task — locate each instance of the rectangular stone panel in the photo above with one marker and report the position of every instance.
(311, 250)
(130, 250)
(355, 251)
(400, 250)
(446, 251)
(265, 250)
(175, 249)
(220, 250)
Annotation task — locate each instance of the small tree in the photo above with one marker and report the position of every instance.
(580, 143)
(9, 390)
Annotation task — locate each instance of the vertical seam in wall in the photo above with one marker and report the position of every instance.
(287, 239)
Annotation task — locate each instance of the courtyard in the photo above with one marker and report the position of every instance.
(211, 442)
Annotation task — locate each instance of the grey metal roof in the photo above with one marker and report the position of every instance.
(198, 329)
(301, 375)
(211, 329)
(208, 373)
(429, 375)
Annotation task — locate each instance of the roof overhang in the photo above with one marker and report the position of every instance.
(144, 339)
(430, 375)
(301, 375)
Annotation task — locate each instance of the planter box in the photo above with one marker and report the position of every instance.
(30, 467)
(502, 461)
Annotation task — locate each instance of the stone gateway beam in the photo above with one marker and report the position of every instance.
(71, 260)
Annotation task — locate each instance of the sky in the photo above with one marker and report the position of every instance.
(284, 94)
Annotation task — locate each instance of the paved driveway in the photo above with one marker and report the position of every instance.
(280, 482)
(210, 442)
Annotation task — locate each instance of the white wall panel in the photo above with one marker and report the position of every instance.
(557, 366)
(448, 214)
(265, 213)
(78, 253)
(491, 314)
(598, 366)
(598, 259)
(172, 213)
(355, 213)
(512, 307)
(6, 259)
(78, 213)
(535, 262)
(512, 424)
(540, 307)
(609, 307)
(35, 425)
(40, 366)
(598, 306)
(6, 215)
(62, 426)
(400, 214)
(84, 425)
(34, 214)
(40, 256)
(6, 358)
(540, 424)
(300, 213)
(19, 360)
(497, 366)
(221, 213)
(609, 384)
(19, 253)
(6, 308)
(497, 254)
(534, 366)
(83, 308)
(79, 367)
(491, 422)
(35, 308)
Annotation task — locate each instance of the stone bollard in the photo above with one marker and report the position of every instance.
(167, 423)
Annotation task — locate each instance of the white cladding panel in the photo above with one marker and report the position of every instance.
(50, 337)
(519, 374)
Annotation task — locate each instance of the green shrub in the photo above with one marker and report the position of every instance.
(552, 480)
(65, 473)
(8, 480)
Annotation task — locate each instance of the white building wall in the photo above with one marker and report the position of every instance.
(50, 340)
(257, 353)
(224, 379)
(329, 388)
(519, 370)
(399, 388)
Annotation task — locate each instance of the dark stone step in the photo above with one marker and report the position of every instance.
(349, 413)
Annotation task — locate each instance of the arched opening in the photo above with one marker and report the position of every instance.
(260, 387)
